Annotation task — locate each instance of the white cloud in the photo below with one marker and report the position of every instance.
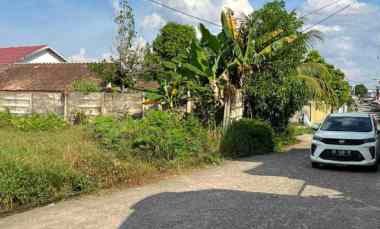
(153, 21)
(115, 5)
(326, 29)
(206, 9)
(356, 7)
(80, 57)
(239, 6)
(140, 42)
(351, 39)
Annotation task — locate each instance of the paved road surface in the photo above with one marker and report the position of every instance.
(276, 191)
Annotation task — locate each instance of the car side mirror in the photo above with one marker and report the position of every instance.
(315, 127)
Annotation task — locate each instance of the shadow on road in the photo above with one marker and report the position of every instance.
(226, 209)
(358, 207)
(353, 182)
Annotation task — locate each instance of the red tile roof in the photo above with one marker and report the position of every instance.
(15, 54)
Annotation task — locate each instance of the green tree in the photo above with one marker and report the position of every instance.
(361, 90)
(129, 57)
(281, 84)
(338, 86)
(173, 40)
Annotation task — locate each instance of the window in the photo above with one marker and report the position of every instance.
(348, 124)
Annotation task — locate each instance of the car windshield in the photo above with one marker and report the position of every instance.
(349, 124)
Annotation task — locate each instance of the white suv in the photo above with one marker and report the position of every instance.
(346, 139)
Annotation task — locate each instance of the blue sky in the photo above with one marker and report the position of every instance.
(84, 29)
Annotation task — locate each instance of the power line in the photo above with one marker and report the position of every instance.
(327, 18)
(183, 13)
(320, 9)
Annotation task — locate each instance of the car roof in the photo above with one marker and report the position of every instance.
(351, 114)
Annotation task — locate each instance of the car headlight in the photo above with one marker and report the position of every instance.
(369, 140)
(317, 138)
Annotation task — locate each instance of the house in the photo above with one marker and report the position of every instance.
(30, 55)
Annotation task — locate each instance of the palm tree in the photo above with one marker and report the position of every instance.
(316, 78)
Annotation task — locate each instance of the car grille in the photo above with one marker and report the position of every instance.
(354, 156)
(350, 142)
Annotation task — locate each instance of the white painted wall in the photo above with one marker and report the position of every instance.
(45, 56)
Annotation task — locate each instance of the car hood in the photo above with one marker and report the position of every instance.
(344, 135)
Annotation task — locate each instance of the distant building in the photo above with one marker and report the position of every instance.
(30, 55)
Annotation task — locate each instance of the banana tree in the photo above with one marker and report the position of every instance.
(226, 59)
(242, 57)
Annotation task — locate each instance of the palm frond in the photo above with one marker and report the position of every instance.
(278, 45)
(316, 77)
(311, 37)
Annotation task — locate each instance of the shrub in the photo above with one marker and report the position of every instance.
(107, 130)
(38, 122)
(5, 119)
(86, 86)
(285, 138)
(247, 137)
(79, 118)
(159, 136)
(169, 137)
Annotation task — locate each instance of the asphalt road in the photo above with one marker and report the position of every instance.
(274, 191)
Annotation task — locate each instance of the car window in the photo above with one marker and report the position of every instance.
(350, 124)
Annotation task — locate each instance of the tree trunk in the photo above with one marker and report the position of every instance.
(233, 108)
(189, 103)
(227, 112)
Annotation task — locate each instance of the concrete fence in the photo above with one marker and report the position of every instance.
(67, 105)
(92, 104)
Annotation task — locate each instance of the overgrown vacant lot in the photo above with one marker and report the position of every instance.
(41, 166)
(44, 159)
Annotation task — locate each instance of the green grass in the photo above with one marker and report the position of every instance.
(41, 166)
(302, 130)
(289, 136)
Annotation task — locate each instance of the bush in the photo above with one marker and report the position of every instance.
(32, 122)
(159, 136)
(286, 138)
(5, 119)
(86, 86)
(169, 137)
(247, 137)
(38, 122)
